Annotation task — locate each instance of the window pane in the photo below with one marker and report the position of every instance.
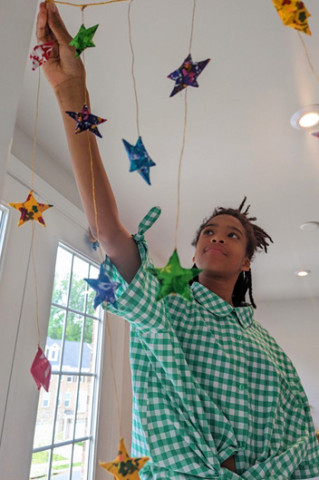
(40, 465)
(72, 345)
(84, 407)
(54, 339)
(62, 277)
(89, 348)
(45, 416)
(65, 415)
(94, 273)
(80, 460)
(61, 462)
(79, 286)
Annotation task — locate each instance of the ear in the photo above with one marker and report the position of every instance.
(193, 259)
(246, 265)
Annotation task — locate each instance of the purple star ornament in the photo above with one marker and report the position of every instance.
(41, 370)
(86, 121)
(139, 158)
(186, 75)
(104, 287)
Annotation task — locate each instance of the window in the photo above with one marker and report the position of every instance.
(45, 399)
(64, 439)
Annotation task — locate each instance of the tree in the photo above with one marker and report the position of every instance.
(76, 302)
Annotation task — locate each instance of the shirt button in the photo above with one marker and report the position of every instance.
(242, 386)
(239, 336)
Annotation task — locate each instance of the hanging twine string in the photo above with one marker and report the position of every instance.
(132, 66)
(35, 283)
(118, 410)
(91, 157)
(184, 139)
(86, 4)
(308, 57)
(35, 130)
(35, 134)
(100, 250)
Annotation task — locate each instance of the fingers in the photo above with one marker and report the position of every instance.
(56, 24)
(42, 30)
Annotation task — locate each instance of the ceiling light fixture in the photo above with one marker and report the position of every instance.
(306, 118)
(302, 273)
(309, 226)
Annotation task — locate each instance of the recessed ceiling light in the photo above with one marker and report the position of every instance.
(309, 226)
(302, 273)
(307, 118)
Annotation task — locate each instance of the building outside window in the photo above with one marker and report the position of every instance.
(65, 432)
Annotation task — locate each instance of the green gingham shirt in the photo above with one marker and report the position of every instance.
(210, 382)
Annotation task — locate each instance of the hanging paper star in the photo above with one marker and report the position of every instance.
(83, 39)
(139, 158)
(124, 467)
(86, 121)
(186, 75)
(293, 14)
(173, 278)
(104, 287)
(92, 240)
(41, 54)
(41, 370)
(31, 209)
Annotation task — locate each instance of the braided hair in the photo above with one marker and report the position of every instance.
(257, 238)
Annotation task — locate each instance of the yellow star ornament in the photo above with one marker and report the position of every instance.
(124, 467)
(293, 13)
(31, 210)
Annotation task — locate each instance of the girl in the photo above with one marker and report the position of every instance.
(214, 396)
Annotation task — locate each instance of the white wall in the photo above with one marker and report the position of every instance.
(295, 326)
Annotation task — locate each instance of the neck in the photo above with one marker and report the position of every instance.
(223, 287)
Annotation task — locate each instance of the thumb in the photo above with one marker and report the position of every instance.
(56, 24)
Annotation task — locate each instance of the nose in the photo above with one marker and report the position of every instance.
(216, 239)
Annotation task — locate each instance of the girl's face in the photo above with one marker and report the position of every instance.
(221, 247)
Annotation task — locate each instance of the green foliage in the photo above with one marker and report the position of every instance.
(77, 302)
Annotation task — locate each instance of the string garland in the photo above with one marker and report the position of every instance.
(172, 270)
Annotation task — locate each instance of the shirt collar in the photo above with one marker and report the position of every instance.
(219, 307)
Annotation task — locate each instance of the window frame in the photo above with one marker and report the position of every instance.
(91, 437)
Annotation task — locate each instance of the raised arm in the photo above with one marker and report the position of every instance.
(66, 75)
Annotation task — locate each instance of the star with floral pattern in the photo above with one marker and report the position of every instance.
(124, 467)
(83, 39)
(173, 278)
(86, 121)
(41, 370)
(41, 54)
(31, 210)
(139, 158)
(186, 75)
(293, 13)
(104, 287)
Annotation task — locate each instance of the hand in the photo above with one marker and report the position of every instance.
(62, 68)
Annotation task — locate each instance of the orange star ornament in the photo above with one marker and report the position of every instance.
(293, 13)
(31, 209)
(124, 467)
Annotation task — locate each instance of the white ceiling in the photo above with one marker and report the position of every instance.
(239, 139)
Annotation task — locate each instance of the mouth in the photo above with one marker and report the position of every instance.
(216, 249)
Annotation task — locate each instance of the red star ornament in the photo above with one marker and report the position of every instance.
(41, 370)
(124, 467)
(31, 210)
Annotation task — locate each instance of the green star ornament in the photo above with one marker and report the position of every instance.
(83, 39)
(173, 278)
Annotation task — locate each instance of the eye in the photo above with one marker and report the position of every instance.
(208, 231)
(235, 234)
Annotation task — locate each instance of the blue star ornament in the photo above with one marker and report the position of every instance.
(104, 287)
(186, 75)
(139, 158)
(86, 121)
